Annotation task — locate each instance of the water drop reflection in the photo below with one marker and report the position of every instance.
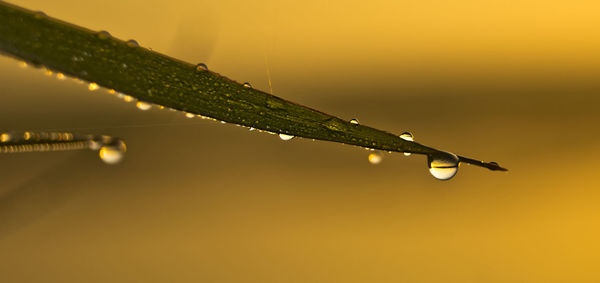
(443, 165)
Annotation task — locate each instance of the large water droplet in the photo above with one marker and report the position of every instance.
(93, 86)
(443, 165)
(247, 85)
(285, 137)
(60, 76)
(143, 105)
(190, 115)
(113, 153)
(354, 121)
(132, 43)
(201, 67)
(375, 157)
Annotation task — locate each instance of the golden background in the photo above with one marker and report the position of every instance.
(195, 201)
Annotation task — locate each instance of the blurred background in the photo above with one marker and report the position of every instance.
(196, 201)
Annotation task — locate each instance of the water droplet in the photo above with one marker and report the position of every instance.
(26, 135)
(407, 136)
(443, 165)
(39, 14)
(143, 105)
(103, 34)
(23, 64)
(93, 86)
(285, 137)
(128, 98)
(113, 153)
(201, 67)
(354, 121)
(5, 137)
(190, 115)
(60, 76)
(48, 72)
(247, 85)
(132, 43)
(251, 129)
(94, 144)
(375, 157)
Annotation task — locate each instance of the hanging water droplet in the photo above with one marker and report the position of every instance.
(285, 137)
(190, 115)
(354, 121)
(103, 34)
(49, 72)
(132, 43)
(5, 137)
(113, 153)
(247, 85)
(201, 67)
(128, 98)
(375, 157)
(60, 76)
(443, 165)
(251, 129)
(93, 86)
(143, 105)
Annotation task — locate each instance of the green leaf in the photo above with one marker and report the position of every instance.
(156, 78)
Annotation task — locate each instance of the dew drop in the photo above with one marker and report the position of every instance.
(354, 121)
(93, 86)
(5, 137)
(49, 72)
(375, 157)
(103, 34)
(443, 165)
(143, 105)
(251, 129)
(407, 136)
(113, 153)
(94, 144)
(60, 76)
(201, 67)
(128, 98)
(285, 137)
(247, 85)
(190, 115)
(132, 43)
(39, 14)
